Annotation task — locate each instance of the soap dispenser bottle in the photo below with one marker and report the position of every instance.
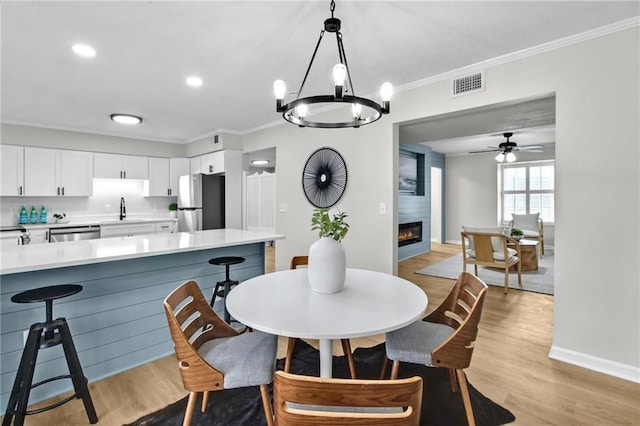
(43, 215)
(23, 216)
(33, 217)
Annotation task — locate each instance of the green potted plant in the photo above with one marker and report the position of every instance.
(335, 228)
(173, 209)
(517, 233)
(327, 259)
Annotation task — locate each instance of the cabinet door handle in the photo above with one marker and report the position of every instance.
(125, 174)
(210, 169)
(20, 190)
(169, 191)
(58, 190)
(63, 190)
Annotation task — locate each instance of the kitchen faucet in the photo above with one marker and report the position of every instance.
(123, 210)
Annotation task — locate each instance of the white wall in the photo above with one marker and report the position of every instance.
(471, 194)
(597, 300)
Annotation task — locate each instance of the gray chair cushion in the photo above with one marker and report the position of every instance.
(415, 342)
(245, 360)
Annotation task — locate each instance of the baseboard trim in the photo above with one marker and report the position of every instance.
(601, 365)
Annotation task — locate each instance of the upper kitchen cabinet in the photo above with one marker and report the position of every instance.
(115, 166)
(164, 174)
(12, 163)
(213, 163)
(55, 172)
(177, 167)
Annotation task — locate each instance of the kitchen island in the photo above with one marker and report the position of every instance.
(118, 320)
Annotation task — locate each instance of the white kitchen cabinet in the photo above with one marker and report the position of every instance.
(164, 174)
(195, 165)
(177, 167)
(39, 236)
(12, 163)
(116, 166)
(55, 172)
(127, 230)
(213, 163)
(165, 227)
(159, 177)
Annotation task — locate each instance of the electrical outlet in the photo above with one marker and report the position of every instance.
(382, 208)
(282, 207)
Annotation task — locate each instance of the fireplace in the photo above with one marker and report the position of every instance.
(409, 233)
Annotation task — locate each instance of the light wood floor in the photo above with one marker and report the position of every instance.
(510, 366)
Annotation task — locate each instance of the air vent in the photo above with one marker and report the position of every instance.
(468, 84)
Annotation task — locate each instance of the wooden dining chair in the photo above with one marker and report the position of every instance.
(444, 338)
(211, 355)
(297, 261)
(306, 401)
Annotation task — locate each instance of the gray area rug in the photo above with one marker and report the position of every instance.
(540, 281)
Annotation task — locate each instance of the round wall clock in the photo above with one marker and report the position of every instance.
(324, 177)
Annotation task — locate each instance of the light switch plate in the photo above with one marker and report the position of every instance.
(382, 208)
(282, 207)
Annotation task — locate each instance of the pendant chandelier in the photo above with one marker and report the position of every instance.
(363, 110)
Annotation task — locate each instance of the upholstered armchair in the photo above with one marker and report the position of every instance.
(531, 225)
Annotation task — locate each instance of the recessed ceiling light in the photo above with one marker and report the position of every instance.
(83, 50)
(260, 162)
(126, 118)
(194, 81)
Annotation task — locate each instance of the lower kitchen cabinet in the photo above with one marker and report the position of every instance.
(125, 230)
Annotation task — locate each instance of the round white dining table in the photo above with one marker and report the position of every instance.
(284, 304)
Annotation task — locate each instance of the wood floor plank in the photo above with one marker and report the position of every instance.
(510, 366)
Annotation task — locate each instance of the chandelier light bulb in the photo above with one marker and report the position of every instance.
(356, 110)
(511, 157)
(279, 88)
(386, 90)
(500, 157)
(339, 74)
(301, 110)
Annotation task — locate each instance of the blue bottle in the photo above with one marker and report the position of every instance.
(43, 215)
(23, 216)
(33, 217)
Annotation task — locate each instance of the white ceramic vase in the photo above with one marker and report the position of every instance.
(327, 266)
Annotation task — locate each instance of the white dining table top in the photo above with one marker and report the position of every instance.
(283, 303)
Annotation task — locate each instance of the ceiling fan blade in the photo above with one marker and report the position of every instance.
(485, 150)
(531, 148)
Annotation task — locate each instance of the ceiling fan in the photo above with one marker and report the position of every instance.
(506, 149)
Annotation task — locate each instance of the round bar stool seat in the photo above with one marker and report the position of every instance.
(43, 335)
(226, 285)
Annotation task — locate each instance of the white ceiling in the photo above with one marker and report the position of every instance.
(145, 50)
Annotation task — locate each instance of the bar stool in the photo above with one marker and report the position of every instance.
(226, 285)
(45, 335)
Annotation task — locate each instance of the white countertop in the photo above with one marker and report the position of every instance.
(35, 257)
(97, 221)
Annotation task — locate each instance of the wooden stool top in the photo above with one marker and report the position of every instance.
(226, 260)
(44, 294)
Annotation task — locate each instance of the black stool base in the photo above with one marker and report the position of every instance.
(43, 335)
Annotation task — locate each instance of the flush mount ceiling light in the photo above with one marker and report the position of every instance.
(126, 118)
(194, 81)
(83, 50)
(260, 162)
(362, 110)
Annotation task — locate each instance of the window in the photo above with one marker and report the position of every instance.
(527, 188)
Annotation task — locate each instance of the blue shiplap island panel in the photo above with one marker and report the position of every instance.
(117, 320)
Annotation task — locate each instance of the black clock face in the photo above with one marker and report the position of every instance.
(324, 177)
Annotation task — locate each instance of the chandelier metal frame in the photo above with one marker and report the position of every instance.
(291, 111)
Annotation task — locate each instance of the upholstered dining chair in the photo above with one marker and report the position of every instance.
(306, 401)
(444, 338)
(532, 228)
(491, 249)
(211, 355)
(297, 261)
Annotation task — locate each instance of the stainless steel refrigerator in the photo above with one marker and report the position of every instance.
(200, 202)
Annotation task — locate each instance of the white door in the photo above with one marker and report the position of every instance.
(436, 204)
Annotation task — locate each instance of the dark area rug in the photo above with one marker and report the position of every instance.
(235, 407)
